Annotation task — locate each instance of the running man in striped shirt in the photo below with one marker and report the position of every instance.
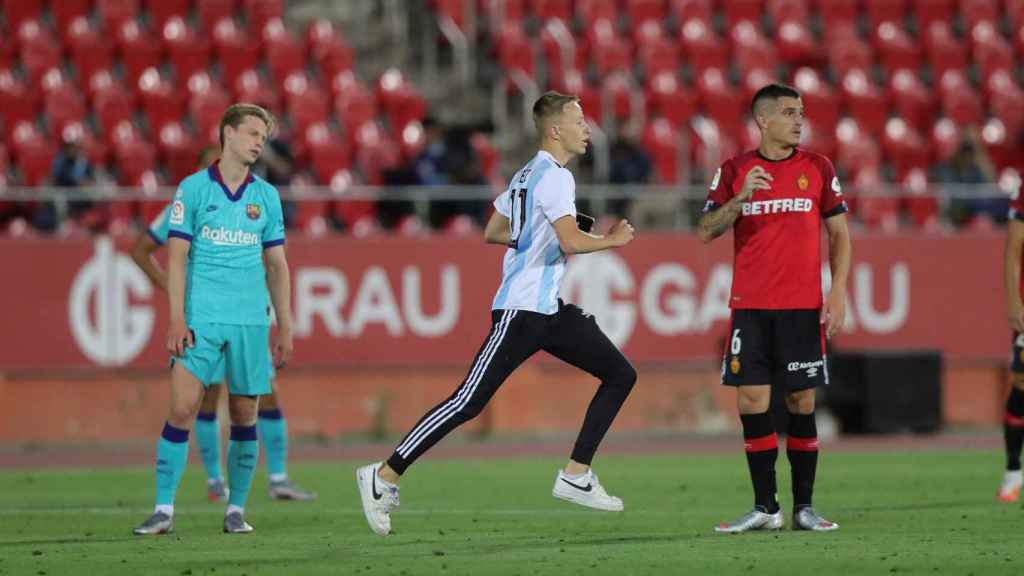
(536, 219)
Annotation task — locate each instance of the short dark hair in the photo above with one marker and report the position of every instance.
(236, 114)
(551, 103)
(772, 92)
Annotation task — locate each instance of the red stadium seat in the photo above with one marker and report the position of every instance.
(974, 12)
(590, 11)
(18, 11)
(992, 53)
(89, 51)
(904, 147)
(328, 49)
(65, 12)
(354, 105)
(39, 50)
(750, 49)
(19, 104)
(692, 9)
(821, 106)
(617, 97)
(63, 105)
(411, 140)
(701, 46)
(399, 100)
(188, 52)
(847, 52)
(640, 11)
(721, 102)
(561, 50)
(856, 149)
(138, 53)
(177, 150)
(796, 11)
(944, 140)
(756, 79)
(114, 13)
(328, 153)
(897, 50)
(661, 141)
(658, 55)
(7, 55)
(161, 103)
(111, 102)
(206, 110)
(134, 161)
(33, 154)
(236, 52)
(1015, 14)
(490, 159)
(305, 102)
(1006, 101)
(912, 100)
(548, 9)
(959, 100)
(285, 54)
(213, 11)
(161, 11)
(837, 13)
(796, 44)
(514, 51)
(1000, 145)
(918, 202)
(880, 11)
(865, 102)
(929, 11)
(260, 12)
(944, 50)
(667, 98)
(737, 11)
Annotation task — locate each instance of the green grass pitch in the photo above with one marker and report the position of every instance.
(901, 513)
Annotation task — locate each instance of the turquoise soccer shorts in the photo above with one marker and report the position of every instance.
(236, 352)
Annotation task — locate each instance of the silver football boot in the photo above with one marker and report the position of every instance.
(807, 519)
(753, 520)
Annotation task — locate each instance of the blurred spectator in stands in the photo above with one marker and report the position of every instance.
(971, 165)
(459, 165)
(630, 164)
(431, 163)
(70, 169)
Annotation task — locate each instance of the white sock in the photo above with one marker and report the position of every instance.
(232, 508)
(212, 481)
(278, 477)
(165, 508)
(1015, 475)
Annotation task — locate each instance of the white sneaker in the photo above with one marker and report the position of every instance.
(753, 520)
(379, 498)
(585, 491)
(1009, 490)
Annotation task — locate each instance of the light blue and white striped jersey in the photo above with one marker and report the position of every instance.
(538, 195)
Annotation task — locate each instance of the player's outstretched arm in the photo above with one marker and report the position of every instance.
(840, 251)
(572, 240)
(280, 284)
(1011, 273)
(142, 254)
(498, 230)
(178, 335)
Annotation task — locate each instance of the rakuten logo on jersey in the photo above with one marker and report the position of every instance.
(224, 237)
(777, 206)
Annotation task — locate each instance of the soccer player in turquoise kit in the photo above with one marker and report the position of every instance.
(271, 425)
(223, 223)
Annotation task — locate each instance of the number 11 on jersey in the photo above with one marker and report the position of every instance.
(517, 215)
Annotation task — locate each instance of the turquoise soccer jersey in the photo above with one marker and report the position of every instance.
(159, 227)
(225, 279)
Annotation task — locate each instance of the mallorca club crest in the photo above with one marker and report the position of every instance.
(803, 182)
(734, 365)
(252, 211)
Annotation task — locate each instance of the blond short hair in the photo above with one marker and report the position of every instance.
(236, 114)
(550, 104)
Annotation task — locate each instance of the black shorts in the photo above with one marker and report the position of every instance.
(775, 347)
(1017, 359)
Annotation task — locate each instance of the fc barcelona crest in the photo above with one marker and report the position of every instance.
(252, 211)
(734, 365)
(803, 182)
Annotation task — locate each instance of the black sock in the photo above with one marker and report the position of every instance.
(802, 450)
(762, 451)
(1013, 428)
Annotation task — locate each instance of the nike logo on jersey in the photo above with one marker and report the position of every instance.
(586, 488)
(777, 206)
(211, 208)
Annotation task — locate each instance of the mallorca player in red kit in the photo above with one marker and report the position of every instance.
(775, 199)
